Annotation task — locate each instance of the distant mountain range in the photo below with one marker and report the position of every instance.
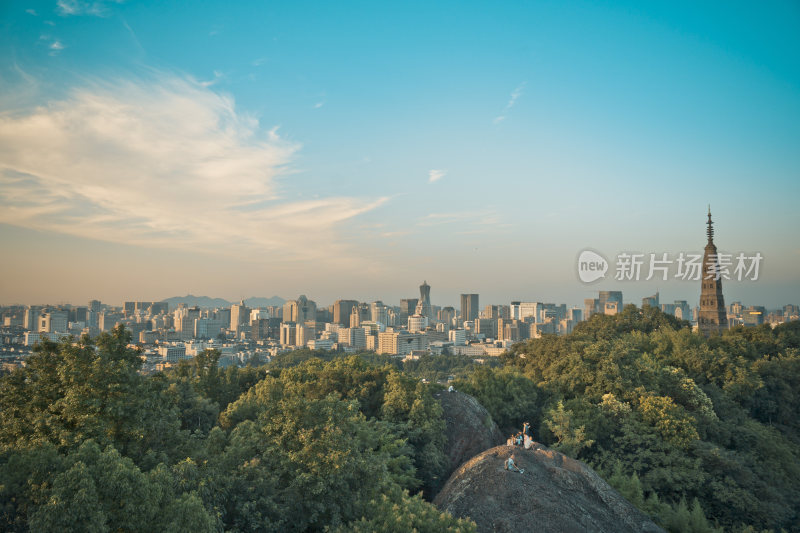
(206, 301)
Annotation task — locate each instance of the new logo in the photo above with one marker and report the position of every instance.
(591, 266)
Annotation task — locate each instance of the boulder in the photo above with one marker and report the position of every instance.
(470, 428)
(554, 493)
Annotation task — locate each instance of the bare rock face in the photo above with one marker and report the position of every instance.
(470, 428)
(555, 494)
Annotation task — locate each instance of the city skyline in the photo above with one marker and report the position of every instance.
(150, 150)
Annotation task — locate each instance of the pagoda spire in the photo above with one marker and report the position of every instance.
(710, 230)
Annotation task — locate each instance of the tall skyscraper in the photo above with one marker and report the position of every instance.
(469, 307)
(299, 310)
(342, 310)
(240, 316)
(447, 314)
(408, 306)
(712, 318)
(379, 312)
(424, 304)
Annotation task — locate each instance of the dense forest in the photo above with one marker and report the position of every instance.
(696, 432)
(701, 434)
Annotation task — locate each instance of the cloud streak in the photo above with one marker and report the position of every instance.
(435, 175)
(98, 8)
(515, 94)
(163, 163)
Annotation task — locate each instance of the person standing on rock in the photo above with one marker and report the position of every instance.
(527, 435)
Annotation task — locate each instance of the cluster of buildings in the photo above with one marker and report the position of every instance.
(243, 334)
(416, 326)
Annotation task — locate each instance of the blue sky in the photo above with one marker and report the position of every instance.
(351, 150)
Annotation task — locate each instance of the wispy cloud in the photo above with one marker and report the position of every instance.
(318, 105)
(31, 12)
(435, 175)
(97, 8)
(438, 219)
(515, 94)
(468, 222)
(164, 163)
(133, 36)
(54, 45)
(213, 81)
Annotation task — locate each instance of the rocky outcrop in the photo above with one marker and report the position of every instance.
(555, 494)
(470, 428)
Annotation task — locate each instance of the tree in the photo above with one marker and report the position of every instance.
(69, 393)
(570, 440)
(397, 512)
(102, 491)
(509, 396)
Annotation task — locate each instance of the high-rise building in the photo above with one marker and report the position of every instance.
(54, 322)
(590, 307)
(158, 308)
(342, 310)
(754, 315)
(299, 310)
(424, 304)
(79, 314)
(107, 320)
(417, 323)
(486, 327)
(606, 297)
(682, 310)
(288, 334)
(353, 337)
(208, 328)
(447, 314)
(496, 312)
(511, 329)
(607, 302)
(528, 311)
(457, 336)
(240, 316)
(360, 313)
(408, 307)
(469, 307)
(401, 342)
(31, 319)
(325, 314)
(652, 301)
(713, 318)
(379, 312)
(184, 321)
